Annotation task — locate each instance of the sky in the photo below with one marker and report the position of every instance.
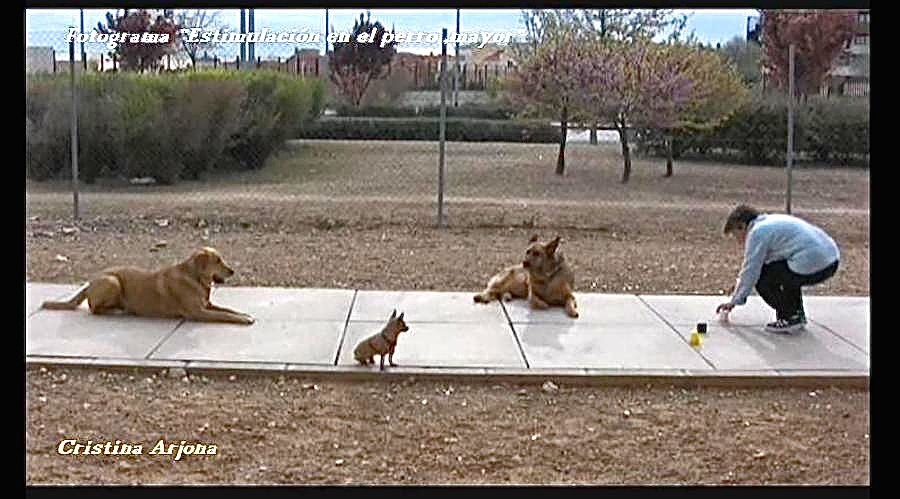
(48, 27)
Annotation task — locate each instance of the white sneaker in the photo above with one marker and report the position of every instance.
(786, 326)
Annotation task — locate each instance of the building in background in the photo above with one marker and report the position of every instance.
(850, 73)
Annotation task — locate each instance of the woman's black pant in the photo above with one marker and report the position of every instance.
(780, 287)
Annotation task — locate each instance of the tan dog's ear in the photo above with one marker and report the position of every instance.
(552, 245)
(401, 316)
(394, 313)
(533, 238)
(201, 259)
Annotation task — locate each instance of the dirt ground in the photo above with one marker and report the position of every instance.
(324, 216)
(345, 214)
(270, 430)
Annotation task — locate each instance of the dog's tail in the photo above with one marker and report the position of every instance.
(70, 304)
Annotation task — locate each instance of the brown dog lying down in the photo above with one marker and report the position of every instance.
(543, 277)
(383, 343)
(179, 291)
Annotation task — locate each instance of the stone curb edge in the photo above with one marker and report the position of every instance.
(570, 376)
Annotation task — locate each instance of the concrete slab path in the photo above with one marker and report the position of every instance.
(618, 336)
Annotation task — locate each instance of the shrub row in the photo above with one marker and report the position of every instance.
(458, 129)
(832, 131)
(165, 126)
(477, 111)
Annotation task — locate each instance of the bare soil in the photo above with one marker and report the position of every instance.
(270, 430)
(362, 215)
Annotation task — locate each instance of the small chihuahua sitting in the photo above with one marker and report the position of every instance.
(382, 343)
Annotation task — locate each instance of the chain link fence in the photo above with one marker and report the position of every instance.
(277, 136)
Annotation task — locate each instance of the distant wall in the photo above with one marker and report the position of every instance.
(430, 98)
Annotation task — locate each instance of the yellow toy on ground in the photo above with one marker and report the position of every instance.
(695, 334)
(695, 339)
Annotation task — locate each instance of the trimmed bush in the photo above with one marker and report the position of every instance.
(477, 111)
(166, 126)
(218, 97)
(458, 130)
(47, 129)
(825, 130)
(839, 131)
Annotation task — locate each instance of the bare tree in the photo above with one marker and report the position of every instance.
(630, 25)
(203, 20)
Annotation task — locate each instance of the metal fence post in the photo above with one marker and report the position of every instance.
(74, 130)
(790, 128)
(456, 66)
(83, 55)
(443, 128)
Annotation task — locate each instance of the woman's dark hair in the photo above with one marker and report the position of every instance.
(740, 218)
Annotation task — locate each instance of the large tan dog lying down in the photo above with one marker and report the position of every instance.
(543, 277)
(179, 291)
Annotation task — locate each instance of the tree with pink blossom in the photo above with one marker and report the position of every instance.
(696, 89)
(544, 81)
(664, 86)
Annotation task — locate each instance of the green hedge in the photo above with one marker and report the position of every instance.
(166, 126)
(458, 129)
(832, 131)
(477, 111)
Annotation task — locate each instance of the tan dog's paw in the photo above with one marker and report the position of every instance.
(538, 304)
(507, 296)
(249, 319)
(571, 308)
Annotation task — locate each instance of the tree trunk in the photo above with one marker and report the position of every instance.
(563, 131)
(593, 134)
(626, 153)
(669, 171)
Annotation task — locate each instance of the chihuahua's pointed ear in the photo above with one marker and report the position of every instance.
(401, 315)
(394, 313)
(533, 238)
(552, 245)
